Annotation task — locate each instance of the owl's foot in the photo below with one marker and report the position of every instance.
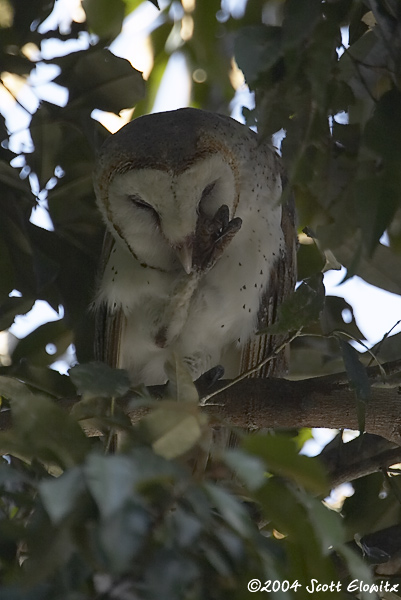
(208, 379)
(213, 235)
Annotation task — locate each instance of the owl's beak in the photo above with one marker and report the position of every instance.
(184, 253)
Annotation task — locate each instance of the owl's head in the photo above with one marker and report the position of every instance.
(157, 174)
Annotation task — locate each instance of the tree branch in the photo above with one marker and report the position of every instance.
(320, 402)
(364, 455)
(280, 404)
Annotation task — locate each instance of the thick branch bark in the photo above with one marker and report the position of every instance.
(279, 403)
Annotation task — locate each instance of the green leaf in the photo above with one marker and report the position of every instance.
(300, 18)
(14, 208)
(7, 277)
(173, 429)
(365, 509)
(11, 308)
(12, 389)
(376, 199)
(356, 371)
(381, 270)
(257, 48)
(12, 445)
(358, 378)
(97, 379)
(332, 317)
(100, 414)
(105, 18)
(282, 507)
(33, 346)
(359, 571)
(231, 510)
(131, 5)
(281, 457)
(47, 137)
(96, 78)
(187, 528)
(10, 478)
(301, 308)
(348, 135)
(180, 385)
(309, 260)
(43, 379)
(251, 470)
(327, 523)
(178, 437)
(42, 429)
(110, 480)
(114, 480)
(122, 535)
(176, 574)
(93, 407)
(60, 495)
(383, 130)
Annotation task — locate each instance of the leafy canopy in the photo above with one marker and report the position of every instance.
(78, 521)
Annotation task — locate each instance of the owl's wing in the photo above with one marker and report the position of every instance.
(108, 325)
(282, 279)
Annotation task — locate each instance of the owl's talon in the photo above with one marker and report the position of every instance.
(212, 237)
(222, 217)
(161, 337)
(210, 377)
(231, 228)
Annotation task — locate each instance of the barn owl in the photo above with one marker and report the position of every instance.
(199, 250)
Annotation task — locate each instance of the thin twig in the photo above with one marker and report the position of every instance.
(251, 371)
(112, 432)
(368, 350)
(15, 97)
(385, 336)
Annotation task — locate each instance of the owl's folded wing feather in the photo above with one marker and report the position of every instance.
(108, 325)
(282, 279)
